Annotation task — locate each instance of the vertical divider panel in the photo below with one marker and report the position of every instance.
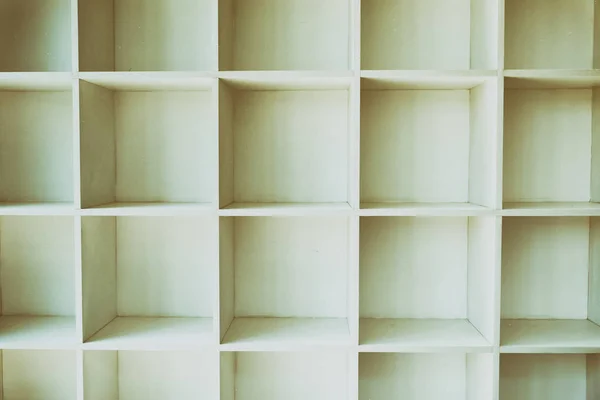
(499, 198)
(594, 272)
(74, 36)
(225, 34)
(225, 127)
(226, 274)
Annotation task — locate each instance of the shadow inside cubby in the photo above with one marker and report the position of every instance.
(284, 143)
(35, 35)
(38, 374)
(429, 34)
(37, 278)
(552, 144)
(284, 282)
(428, 143)
(427, 284)
(323, 375)
(549, 376)
(150, 375)
(148, 282)
(36, 145)
(558, 34)
(140, 35)
(147, 142)
(260, 35)
(406, 376)
(550, 286)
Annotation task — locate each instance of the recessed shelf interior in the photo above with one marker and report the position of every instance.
(284, 280)
(150, 375)
(148, 281)
(426, 281)
(37, 278)
(432, 145)
(147, 143)
(558, 34)
(550, 291)
(285, 375)
(138, 35)
(452, 376)
(39, 374)
(550, 144)
(35, 35)
(549, 376)
(36, 154)
(457, 34)
(256, 35)
(302, 130)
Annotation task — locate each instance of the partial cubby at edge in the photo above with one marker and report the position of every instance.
(35, 36)
(550, 285)
(549, 376)
(138, 35)
(149, 282)
(150, 375)
(37, 280)
(557, 35)
(429, 34)
(36, 144)
(322, 375)
(410, 376)
(552, 144)
(261, 35)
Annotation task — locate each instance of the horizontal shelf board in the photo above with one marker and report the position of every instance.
(150, 209)
(423, 209)
(551, 78)
(285, 334)
(420, 335)
(147, 81)
(287, 80)
(148, 333)
(37, 209)
(549, 336)
(551, 209)
(285, 209)
(38, 332)
(408, 79)
(36, 81)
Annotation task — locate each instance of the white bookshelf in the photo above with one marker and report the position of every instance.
(290, 199)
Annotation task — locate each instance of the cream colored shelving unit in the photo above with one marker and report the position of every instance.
(292, 199)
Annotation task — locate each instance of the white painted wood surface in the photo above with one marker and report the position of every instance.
(285, 199)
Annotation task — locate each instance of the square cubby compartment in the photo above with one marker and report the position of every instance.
(427, 284)
(37, 279)
(429, 34)
(150, 375)
(36, 145)
(256, 35)
(147, 142)
(142, 35)
(148, 282)
(284, 282)
(284, 143)
(552, 143)
(432, 143)
(410, 376)
(323, 375)
(556, 34)
(550, 285)
(35, 35)
(549, 376)
(38, 374)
